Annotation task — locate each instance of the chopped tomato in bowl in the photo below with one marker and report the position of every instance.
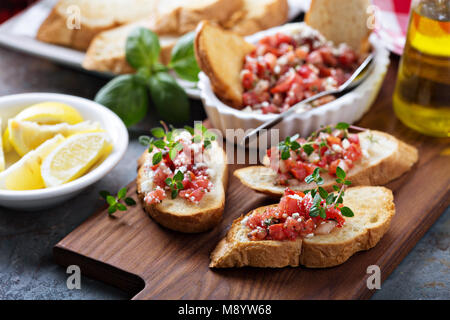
(284, 69)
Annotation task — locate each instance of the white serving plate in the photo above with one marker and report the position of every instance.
(45, 198)
(19, 33)
(348, 108)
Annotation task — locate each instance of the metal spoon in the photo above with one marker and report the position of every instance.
(351, 83)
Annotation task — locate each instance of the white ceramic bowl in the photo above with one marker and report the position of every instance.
(348, 108)
(45, 198)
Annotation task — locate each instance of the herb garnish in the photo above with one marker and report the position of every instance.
(175, 184)
(127, 95)
(115, 202)
(322, 200)
(166, 142)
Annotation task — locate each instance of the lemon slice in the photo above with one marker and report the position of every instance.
(45, 113)
(74, 157)
(2, 155)
(26, 173)
(26, 136)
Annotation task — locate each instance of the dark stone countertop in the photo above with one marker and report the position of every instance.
(27, 238)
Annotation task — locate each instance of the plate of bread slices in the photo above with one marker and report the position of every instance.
(91, 34)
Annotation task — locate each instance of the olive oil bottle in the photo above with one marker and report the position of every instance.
(422, 93)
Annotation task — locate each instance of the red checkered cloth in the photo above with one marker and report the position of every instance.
(392, 22)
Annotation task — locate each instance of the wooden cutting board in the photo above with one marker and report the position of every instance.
(134, 253)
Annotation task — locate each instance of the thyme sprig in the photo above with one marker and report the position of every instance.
(164, 140)
(115, 202)
(175, 183)
(322, 200)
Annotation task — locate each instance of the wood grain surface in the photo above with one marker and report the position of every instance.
(150, 262)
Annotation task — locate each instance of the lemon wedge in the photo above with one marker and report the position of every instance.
(26, 173)
(45, 113)
(74, 157)
(2, 155)
(26, 136)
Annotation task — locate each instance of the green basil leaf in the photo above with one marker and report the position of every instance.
(180, 185)
(309, 179)
(340, 173)
(285, 154)
(183, 60)
(127, 96)
(159, 144)
(174, 193)
(347, 212)
(322, 213)
(342, 126)
(323, 193)
(172, 154)
(157, 157)
(122, 193)
(169, 98)
(179, 176)
(142, 48)
(112, 209)
(121, 207)
(111, 200)
(130, 201)
(336, 188)
(308, 149)
(158, 132)
(295, 145)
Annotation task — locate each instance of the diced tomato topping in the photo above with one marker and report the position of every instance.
(333, 140)
(155, 196)
(353, 152)
(276, 232)
(273, 59)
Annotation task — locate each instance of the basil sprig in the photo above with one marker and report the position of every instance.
(127, 95)
(115, 202)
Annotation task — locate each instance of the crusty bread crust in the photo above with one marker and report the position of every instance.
(220, 54)
(230, 252)
(54, 30)
(373, 208)
(341, 21)
(258, 15)
(107, 51)
(180, 19)
(95, 17)
(191, 218)
(378, 172)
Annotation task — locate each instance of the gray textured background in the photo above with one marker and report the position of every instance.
(26, 239)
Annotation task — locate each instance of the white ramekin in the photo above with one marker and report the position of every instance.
(348, 108)
(31, 200)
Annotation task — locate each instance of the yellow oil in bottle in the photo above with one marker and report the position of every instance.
(422, 93)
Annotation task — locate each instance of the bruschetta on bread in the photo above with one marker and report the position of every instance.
(369, 158)
(291, 234)
(182, 180)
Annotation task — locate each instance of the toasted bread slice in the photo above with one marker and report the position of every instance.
(373, 208)
(385, 159)
(179, 214)
(107, 51)
(341, 21)
(177, 17)
(258, 15)
(220, 54)
(94, 17)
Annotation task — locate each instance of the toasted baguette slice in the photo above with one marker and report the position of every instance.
(373, 208)
(341, 21)
(385, 158)
(258, 15)
(107, 51)
(220, 54)
(95, 17)
(177, 17)
(179, 214)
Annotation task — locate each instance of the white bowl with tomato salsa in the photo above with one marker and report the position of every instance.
(289, 64)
